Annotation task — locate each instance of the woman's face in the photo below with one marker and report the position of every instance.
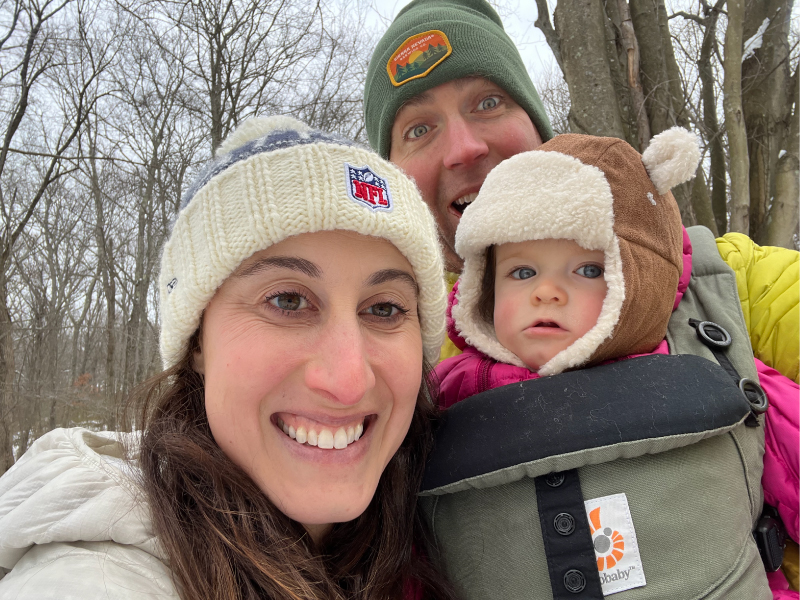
(317, 336)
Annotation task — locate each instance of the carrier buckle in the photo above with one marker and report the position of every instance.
(770, 536)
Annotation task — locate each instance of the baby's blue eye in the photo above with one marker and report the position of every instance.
(590, 271)
(523, 273)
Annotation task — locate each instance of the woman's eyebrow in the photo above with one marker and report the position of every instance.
(282, 262)
(385, 275)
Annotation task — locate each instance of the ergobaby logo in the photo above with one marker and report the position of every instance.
(615, 547)
(367, 188)
(609, 545)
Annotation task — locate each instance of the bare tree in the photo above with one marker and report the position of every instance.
(633, 71)
(766, 106)
(734, 119)
(30, 49)
(243, 53)
(784, 214)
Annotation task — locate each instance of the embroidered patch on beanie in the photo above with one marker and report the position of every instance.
(418, 56)
(367, 188)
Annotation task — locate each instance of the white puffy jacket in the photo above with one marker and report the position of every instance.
(74, 524)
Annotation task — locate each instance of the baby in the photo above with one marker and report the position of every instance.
(583, 268)
(575, 256)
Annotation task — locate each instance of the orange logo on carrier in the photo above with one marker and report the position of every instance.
(608, 545)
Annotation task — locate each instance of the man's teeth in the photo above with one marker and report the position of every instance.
(324, 438)
(467, 199)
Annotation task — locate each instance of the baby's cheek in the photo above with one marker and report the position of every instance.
(506, 314)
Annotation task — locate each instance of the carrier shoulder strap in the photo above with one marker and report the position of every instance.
(711, 296)
(624, 409)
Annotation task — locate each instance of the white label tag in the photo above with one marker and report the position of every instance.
(615, 544)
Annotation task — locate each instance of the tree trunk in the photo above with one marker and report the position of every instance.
(784, 213)
(7, 371)
(734, 119)
(580, 25)
(717, 174)
(765, 102)
(105, 254)
(645, 16)
(618, 65)
(630, 46)
(678, 106)
(702, 203)
(141, 281)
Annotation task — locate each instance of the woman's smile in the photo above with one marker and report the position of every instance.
(324, 435)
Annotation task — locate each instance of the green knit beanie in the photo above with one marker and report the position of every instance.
(432, 42)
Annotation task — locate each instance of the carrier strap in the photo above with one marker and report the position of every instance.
(571, 559)
(665, 400)
(717, 339)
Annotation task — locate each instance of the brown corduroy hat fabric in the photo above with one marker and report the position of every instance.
(605, 196)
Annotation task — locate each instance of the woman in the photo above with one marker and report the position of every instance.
(301, 293)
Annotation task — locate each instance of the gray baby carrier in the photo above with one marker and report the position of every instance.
(640, 478)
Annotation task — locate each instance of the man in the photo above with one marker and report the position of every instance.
(447, 97)
(430, 111)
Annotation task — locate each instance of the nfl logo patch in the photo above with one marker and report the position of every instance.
(366, 187)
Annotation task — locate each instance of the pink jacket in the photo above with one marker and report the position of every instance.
(472, 372)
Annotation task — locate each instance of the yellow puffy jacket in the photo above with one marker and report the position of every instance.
(767, 278)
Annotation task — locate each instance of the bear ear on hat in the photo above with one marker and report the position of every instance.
(672, 158)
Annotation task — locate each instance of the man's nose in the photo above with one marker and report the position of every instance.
(340, 368)
(466, 145)
(548, 291)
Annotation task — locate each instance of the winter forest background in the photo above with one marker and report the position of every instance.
(109, 107)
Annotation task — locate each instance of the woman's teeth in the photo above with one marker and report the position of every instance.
(324, 438)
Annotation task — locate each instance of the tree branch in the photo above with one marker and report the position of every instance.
(544, 24)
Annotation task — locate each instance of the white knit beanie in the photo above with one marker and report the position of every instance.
(274, 178)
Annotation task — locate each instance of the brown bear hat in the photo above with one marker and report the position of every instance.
(605, 196)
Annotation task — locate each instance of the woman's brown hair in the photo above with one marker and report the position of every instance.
(225, 540)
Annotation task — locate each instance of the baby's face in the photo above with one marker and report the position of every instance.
(548, 294)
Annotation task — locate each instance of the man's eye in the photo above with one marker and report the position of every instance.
(489, 103)
(290, 302)
(523, 273)
(590, 271)
(417, 131)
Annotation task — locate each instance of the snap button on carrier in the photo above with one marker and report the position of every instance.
(554, 479)
(574, 581)
(564, 523)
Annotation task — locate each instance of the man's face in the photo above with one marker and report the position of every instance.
(449, 138)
